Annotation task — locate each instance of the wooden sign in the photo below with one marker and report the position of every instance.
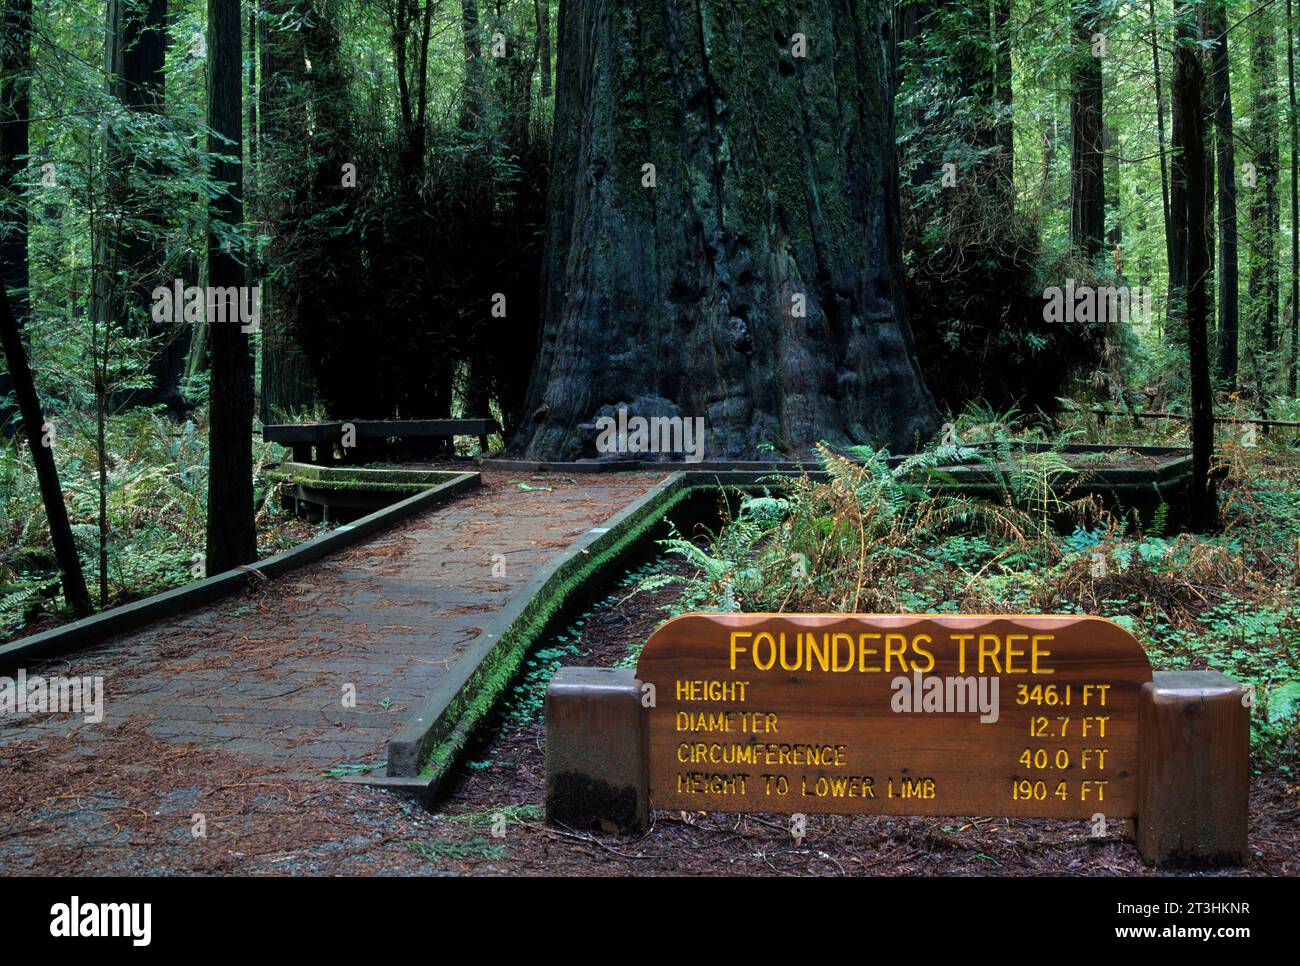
(894, 714)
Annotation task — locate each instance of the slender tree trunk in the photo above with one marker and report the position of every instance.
(47, 474)
(1204, 14)
(1263, 210)
(1087, 169)
(1004, 127)
(1192, 170)
(1227, 180)
(1176, 238)
(287, 385)
(232, 537)
(101, 460)
(751, 278)
(473, 102)
(544, 44)
(1113, 148)
(1160, 131)
(15, 94)
(252, 166)
(1049, 155)
(1295, 199)
(252, 199)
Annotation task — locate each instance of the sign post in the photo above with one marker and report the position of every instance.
(1053, 716)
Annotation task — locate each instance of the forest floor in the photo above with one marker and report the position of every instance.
(143, 805)
(134, 795)
(507, 778)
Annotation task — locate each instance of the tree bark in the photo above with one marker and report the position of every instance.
(1263, 210)
(1004, 125)
(287, 385)
(472, 105)
(1160, 132)
(1087, 168)
(232, 537)
(758, 283)
(15, 100)
(544, 43)
(1225, 158)
(1176, 239)
(47, 474)
(1193, 168)
(1295, 198)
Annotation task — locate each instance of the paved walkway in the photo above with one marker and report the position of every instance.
(265, 675)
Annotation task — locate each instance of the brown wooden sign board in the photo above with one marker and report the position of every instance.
(894, 714)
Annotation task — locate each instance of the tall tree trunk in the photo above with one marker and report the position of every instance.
(1004, 126)
(966, 47)
(1113, 150)
(1191, 169)
(1295, 199)
(232, 537)
(252, 161)
(287, 385)
(1176, 238)
(15, 98)
(47, 474)
(1049, 156)
(544, 44)
(1227, 180)
(1204, 14)
(758, 283)
(1263, 210)
(1087, 169)
(1160, 134)
(472, 105)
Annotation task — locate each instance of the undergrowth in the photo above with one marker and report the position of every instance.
(157, 479)
(888, 536)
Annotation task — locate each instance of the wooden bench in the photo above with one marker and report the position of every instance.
(302, 437)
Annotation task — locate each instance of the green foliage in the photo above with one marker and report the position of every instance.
(440, 850)
(157, 478)
(850, 542)
(528, 696)
(517, 814)
(886, 536)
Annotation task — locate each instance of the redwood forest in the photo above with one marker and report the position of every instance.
(387, 383)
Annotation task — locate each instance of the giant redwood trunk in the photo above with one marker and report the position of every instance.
(757, 284)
